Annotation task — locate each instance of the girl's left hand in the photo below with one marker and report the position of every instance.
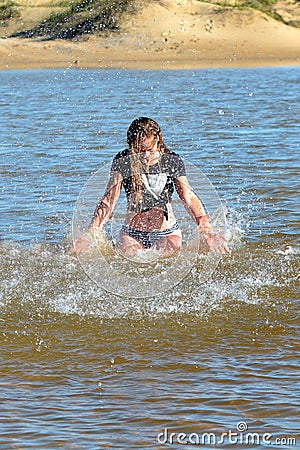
(217, 242)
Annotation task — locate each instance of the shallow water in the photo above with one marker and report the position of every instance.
(82, 368)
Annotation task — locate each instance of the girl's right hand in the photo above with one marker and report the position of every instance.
(81, 244)
(86, 241)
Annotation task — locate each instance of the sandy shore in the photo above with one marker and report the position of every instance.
(168, 35)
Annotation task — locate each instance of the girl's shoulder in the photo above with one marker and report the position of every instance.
(173, 163)
(121, 163)
(122, 154)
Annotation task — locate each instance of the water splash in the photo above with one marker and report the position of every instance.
(45, 279)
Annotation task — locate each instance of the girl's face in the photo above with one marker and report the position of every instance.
(149, 149)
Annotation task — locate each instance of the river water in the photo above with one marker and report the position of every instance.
(83, 368)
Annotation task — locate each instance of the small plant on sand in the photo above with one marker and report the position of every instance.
(7, 10)
(265, 6)
(82, 17)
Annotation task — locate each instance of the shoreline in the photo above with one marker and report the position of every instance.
(154, 66)
(22, 54)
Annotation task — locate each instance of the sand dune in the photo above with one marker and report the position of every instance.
(168, 34)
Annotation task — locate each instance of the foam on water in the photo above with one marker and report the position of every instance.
(47, 278)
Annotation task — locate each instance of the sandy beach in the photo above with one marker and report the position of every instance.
(166, 35)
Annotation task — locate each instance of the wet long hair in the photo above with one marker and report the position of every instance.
(139, 129)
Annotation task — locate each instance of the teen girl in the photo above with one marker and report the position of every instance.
(149, 174)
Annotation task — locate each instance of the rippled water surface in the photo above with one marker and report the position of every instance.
(82, 368)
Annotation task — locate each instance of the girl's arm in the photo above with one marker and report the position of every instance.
(192, 204)
(195, 208)
(102, 213)
(107, 204)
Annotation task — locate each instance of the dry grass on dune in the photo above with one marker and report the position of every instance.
(55, 19)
